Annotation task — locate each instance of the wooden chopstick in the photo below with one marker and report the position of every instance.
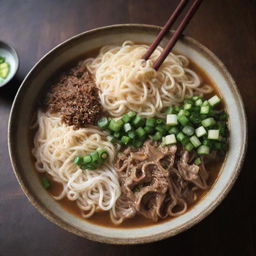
(184, 22)
(166, 28)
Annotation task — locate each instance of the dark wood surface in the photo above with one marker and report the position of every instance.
(227, 27)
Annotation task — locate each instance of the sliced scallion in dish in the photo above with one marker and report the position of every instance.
(4, 68)
(46, 183)
(195, 124)
(93, 160)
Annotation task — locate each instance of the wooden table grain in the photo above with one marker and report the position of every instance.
(227, 27)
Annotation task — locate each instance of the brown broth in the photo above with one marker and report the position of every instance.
(103, 218)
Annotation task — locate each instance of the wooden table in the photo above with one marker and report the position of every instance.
(227, 27)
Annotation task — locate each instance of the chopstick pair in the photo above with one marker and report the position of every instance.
(184, 22)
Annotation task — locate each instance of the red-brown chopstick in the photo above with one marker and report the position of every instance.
(185, 21)
(166, 28)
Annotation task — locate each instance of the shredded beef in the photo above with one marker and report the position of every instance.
(75, 97)
(157, 181)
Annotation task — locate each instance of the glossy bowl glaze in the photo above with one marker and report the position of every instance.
(25, 105)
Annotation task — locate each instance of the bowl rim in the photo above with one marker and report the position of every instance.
(147, 239)
(14, 53)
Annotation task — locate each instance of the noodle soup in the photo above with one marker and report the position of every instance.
(126, 145)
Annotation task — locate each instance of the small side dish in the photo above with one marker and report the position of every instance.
(4, 68)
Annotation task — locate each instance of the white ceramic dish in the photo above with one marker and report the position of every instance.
(11, 57)
(25, 103)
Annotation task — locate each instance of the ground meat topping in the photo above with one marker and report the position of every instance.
(75, 97)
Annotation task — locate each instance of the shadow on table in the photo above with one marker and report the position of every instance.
(8, 91)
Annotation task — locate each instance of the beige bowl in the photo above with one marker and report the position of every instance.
(24, 106)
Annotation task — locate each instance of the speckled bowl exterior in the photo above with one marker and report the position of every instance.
(25, 105)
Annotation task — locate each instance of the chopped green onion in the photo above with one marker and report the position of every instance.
(208, 143)
(103, 122)
(131, 134)
(138, 121)
(187, 106)
(200, 131)
(169, 139)
(182, 112)
(160, 128)
(126, 118)
(171, 119)
(45, 182)
(103, 153)
(208, 122)
(115, 125)
(140, 132)
(127, 127)
(117, 135)
(187, 113)
(157, 136)
(188, 130)
(176, 109)
(166, 127)
(213, 134)
(125, 140)
(170, 110)
(181, 136)
(95, 157)
(151, 122)
(206, 103)
(174, 130)
(189, 101)
(189, 147)
(199, 102)
(222, 128)
(148, 129)
(198, 161)
(93, 160)
(4, 70)
(195, 118)
(195, 98)
(185, 141)
(87, 159)
(183, 120)
(131, 114)
(203, 150)
(78, 160)
(179, 125)
(214, 100)
(202, 117)
(195, 141)
(205, 110)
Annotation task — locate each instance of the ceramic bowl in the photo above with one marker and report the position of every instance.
(25, 104)
(11, 56)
